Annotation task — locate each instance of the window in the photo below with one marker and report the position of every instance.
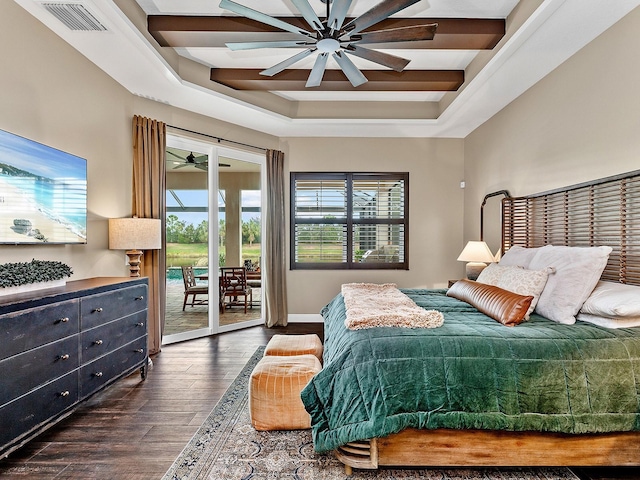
(349, 220)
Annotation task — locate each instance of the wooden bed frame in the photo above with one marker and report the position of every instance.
(482, 448)
(603, 212)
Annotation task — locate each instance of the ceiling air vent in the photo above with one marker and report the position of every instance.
(75, 16)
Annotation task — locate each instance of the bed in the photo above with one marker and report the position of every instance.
(477, 392)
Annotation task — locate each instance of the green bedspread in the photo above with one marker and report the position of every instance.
(472, 373)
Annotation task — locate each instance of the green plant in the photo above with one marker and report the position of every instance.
(24, 273)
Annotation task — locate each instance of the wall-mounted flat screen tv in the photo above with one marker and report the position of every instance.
(43, 193)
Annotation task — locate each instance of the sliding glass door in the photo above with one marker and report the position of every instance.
(240, 232)
(187, 238)
(213, 220)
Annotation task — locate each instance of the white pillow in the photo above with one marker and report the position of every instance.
(525, 282)
(490, 274)
(518, 256)
(517, 280)
(608, 322)
(578, 270)
(611, 299)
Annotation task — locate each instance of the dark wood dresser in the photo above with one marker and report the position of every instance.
(61, 345)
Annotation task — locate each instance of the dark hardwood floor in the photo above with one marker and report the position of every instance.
(135, 429)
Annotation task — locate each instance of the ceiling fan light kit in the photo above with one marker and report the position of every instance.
(333, 37)
(327, 45)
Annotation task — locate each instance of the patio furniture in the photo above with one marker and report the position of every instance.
(254, 279)
(233, 284)
(193, 289)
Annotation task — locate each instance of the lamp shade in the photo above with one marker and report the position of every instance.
(476, 251)
(135, 234)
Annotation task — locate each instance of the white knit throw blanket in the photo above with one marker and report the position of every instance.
(371, 305)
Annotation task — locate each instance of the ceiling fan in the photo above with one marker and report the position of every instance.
(333, 37)
(201, 162)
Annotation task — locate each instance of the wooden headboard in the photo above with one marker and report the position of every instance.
(602, 212)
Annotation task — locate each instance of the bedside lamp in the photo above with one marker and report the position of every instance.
(477, 254)
(134, 235)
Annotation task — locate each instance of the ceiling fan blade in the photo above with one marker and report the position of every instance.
(270, 72)
(175, 155)
(404, 34)
(354, 75)
(202, 166)
(391, 61)
(317, 72)
(262, 17)
(339, 9)
(309, 14)
(253, 45)
(384, 9)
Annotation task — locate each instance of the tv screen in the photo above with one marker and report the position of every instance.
(43, 193)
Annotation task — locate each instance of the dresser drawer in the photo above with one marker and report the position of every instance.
(98, 373)
(27, 329)
(98, 309)
(21, 416)
(26, 371)
(101, 340)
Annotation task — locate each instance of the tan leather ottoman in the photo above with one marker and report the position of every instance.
(274, 392)
(284, 345)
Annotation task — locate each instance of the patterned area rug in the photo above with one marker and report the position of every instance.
(226, 447)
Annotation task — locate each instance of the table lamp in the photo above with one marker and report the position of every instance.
(135, 235)
(477, 254)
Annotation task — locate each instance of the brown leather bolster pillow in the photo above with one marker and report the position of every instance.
(502, 305)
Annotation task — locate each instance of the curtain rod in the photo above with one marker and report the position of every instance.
(219, 139)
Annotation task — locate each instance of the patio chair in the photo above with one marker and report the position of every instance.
(191, 288)
(233, 284)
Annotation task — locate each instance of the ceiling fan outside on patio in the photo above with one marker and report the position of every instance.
(201, 162)
(333, 37)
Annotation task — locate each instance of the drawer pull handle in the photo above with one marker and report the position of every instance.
(97, 374)
(140, 324)
(98, 342)
(62, 320)
(98, 310)
(64, 357)
(140, 297)
(65, 393)
(139, 350)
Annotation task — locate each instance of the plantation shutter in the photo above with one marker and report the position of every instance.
(349, 220)
(320, 211)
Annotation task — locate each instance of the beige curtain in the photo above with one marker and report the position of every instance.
(149, 146)
(275, 262)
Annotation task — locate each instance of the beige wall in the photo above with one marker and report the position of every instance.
(54, 95)
(580, 123)
(435, 169)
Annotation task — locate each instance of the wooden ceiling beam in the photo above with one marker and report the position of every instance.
(209, 31)
(335, 80)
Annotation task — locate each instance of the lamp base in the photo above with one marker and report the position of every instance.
(135, 258)
(473, 270)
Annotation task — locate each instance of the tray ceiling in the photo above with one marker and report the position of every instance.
(484, 55)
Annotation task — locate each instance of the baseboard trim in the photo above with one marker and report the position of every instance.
(304, 318)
